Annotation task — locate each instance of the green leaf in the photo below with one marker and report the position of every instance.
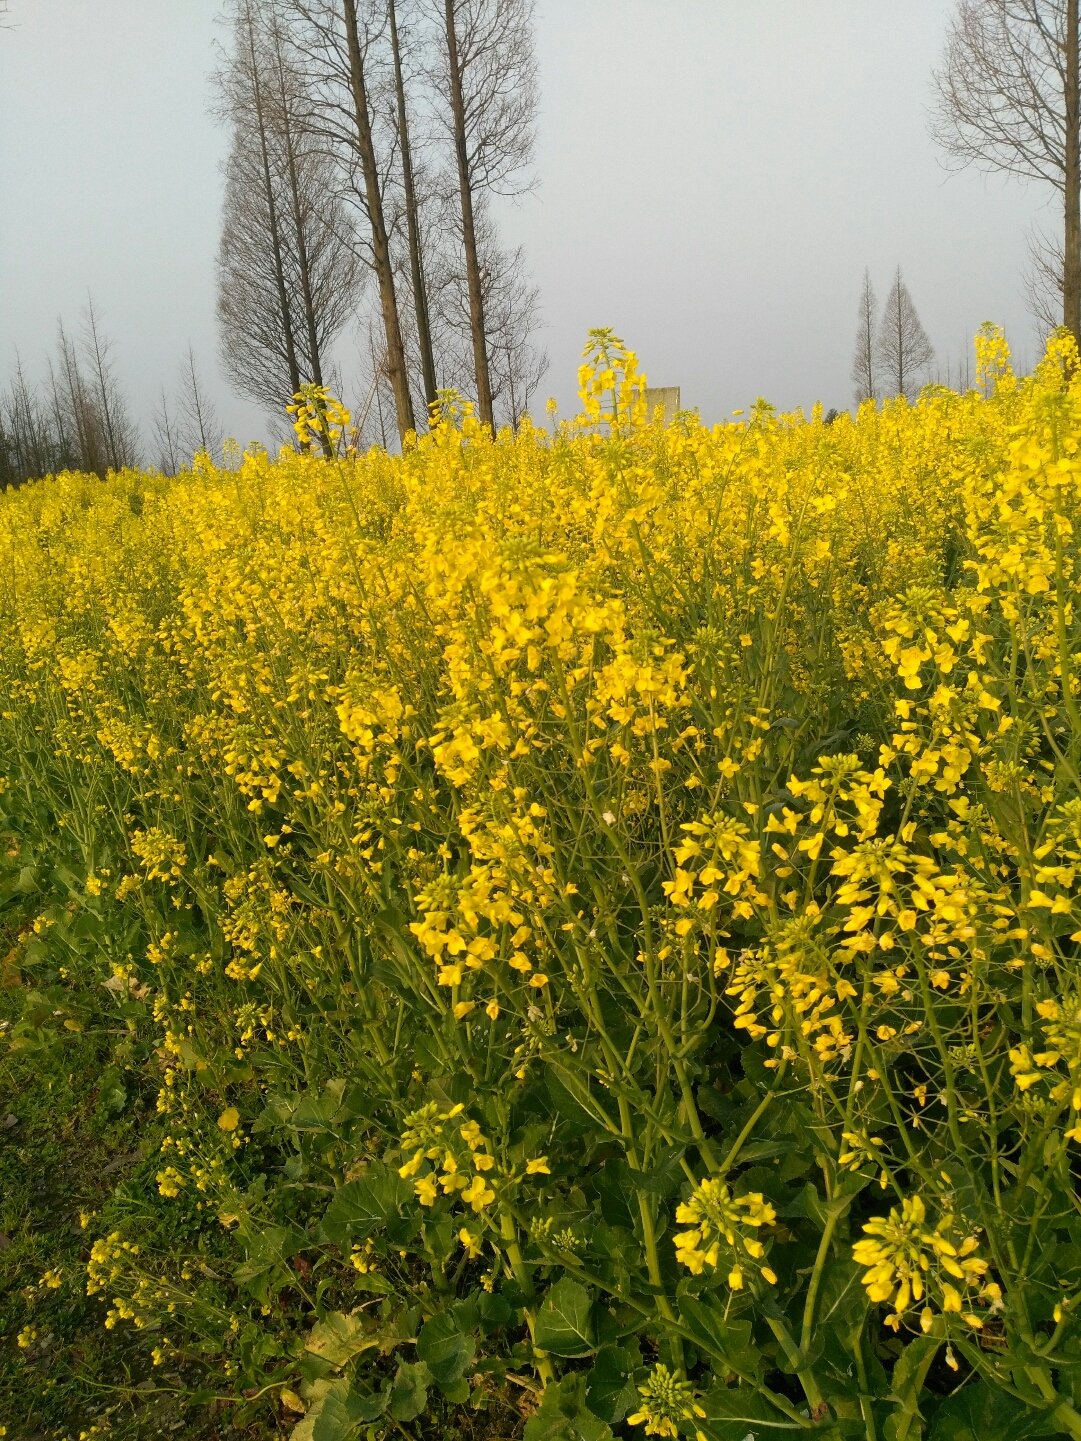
(612, 1194)
(841, 1316)
(409, 1393)
(910, 1368)
(366, 1206)
(334, 1413)
(315, 1113)
(373, 1284)
(979, 1412)
(564, 1325)
(663, 1180)
(725, 1339)
(445, 1347)
(610, 1392)
(493, 1311)
(578, 1120)
(564, 1416)
(733, 1412)
(339, 1338)
(265, 1270)
(843, 1301)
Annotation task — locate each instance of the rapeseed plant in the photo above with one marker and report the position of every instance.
(608, 893)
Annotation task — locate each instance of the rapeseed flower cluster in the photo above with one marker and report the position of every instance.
(721, 1233)
(911, 1264)
(451, 1160)
(666, 1402)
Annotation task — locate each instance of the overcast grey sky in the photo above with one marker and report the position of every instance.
(713, 177)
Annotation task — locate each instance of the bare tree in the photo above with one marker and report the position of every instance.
(199, 428)
(340, 45)
(59, 425)
(288, 274)
(1008, 98)
(412, 215)
(370, 420)
(358, 41)
(325, 261)
(863, 358)
(903, 350)
(241, 232)
(10, 474)
(517, 364)
(488, 83)
(511, 305)
(166, 437)
(65, 449)
(27, 426)
(256, 322)
(121, 435)
(83, 415)
(1043, 282)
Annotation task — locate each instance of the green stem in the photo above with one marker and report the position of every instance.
(508, 1233)
(836, 1211)
(794, 1357)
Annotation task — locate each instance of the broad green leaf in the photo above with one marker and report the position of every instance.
(733, 1412)
(910, 1367)
(265, 1270)
(445, 1347)
(339, 1338)
(315, 1113)
(567, 1107)
(366, 1206)
(726, 1339)
(610, 1392)
(335, 1412)
(979, 1412)
(493, 1311)
(564, 1416)
(409, 1393)
(564, 1324)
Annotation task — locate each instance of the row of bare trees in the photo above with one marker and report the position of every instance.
(78, 417)
(1007, 98)
(370, 143)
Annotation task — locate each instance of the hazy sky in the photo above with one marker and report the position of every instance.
(713, 177)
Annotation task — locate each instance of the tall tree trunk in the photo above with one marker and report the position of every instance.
(272, 215)
(298, 220)
(412, 220)
(384, 271)
(298, 225)
(1071, 259)
(469, 232)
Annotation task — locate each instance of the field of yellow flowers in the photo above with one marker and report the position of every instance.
(596, 911)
